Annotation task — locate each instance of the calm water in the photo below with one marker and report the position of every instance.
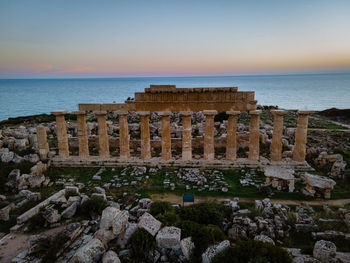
(34, 96)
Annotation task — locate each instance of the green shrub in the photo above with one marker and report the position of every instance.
(141, 242)
(169, 218)
(204, 213)
(253, 251)
(202, 236)
(93, 206)
(160, 207)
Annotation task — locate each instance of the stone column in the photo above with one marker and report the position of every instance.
(299, 150)
(124, 135)
(83, 139)
(186, 135)
(61, 130)
(102, 134)
(276, 143)
(145, 135)
(254, 135)
(166, 138)
(231, 139)
(42, 141)
(209, 149)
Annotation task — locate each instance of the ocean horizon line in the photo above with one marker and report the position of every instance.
(91, 77)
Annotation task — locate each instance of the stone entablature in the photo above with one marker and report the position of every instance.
(170, 98)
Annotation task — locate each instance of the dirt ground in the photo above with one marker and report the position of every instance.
(14, 243)
(175, 199)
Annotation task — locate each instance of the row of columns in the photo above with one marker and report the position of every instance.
(209, 146)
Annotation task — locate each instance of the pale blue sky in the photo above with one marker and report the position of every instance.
(132, 38)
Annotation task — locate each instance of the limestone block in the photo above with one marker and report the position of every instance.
(110, 257)
(149, 223)
(108, 215)
(264, 239)
(169, 237)
(325, 251)
(120, 222)
(213, 250)
(91, 252)
(187, 247)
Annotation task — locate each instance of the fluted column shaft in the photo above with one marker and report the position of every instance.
(83, 139)
(61, 130)
(231, 139)
(42, 141)
(186, 135)
(276, 143)
(166, 137)
(124, 135)
(254, 135)
(299, 151)
(145, 135)
(102, 134)
(209, 149)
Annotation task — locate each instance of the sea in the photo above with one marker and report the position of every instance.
(22, 97)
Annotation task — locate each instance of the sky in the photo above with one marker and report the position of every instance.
(65, 38)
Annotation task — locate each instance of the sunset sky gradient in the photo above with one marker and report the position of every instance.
(82, 38)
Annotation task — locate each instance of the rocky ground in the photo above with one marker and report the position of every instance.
(100, 215)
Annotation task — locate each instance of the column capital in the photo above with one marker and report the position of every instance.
(233, 112)
(59, 112)
(78, 112)
(185, 113)
(255, 112)
(122, 112)
(279, 112)
(164, 113)
(100, 112)
(210, 112)
(143, 113)
(305, 112)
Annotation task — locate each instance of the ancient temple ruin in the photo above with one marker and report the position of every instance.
(166, 99)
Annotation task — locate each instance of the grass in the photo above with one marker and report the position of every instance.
(154, 185)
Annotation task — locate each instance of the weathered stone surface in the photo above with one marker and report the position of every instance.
(318, 181)
(120, 222)
(213, 250)
(5, 212)
(123, 239)
(264, 239)
(51, 215)
(90, 253)
(169, 237)
(35, 180)
(108, 215)
(149, 223)
(325, 251)
(7, 157)
(70, 211)
(187, 247)
(110, 257)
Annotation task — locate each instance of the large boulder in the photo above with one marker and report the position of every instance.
(110, 257)
(213, 250)
(120, 222)
(325, 251)
(5, 212)
(318, 181)
(187, 247)
(35, 180)
(108, 215)
(149, 223)
(7, 157)
(70, 211)
(123, 239)
(90, 253)
(169, 237)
